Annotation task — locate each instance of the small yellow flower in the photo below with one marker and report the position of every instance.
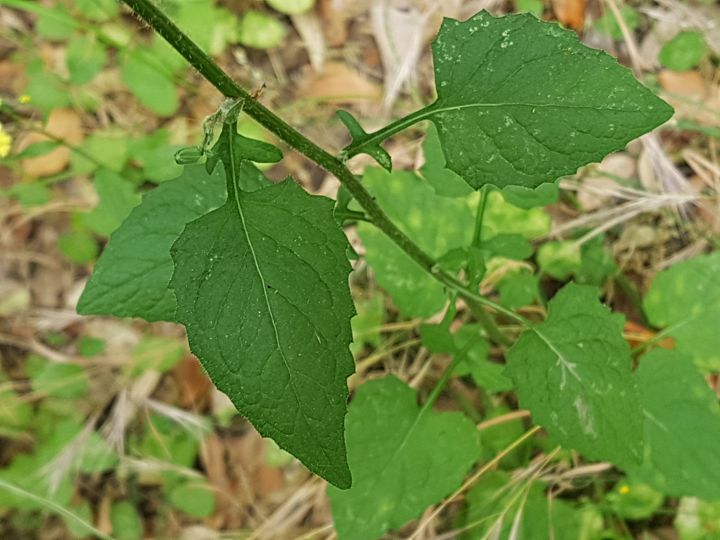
(624, 489)
(5, 142)
(24, 99)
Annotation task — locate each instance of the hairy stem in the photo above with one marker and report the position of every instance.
(214, 74)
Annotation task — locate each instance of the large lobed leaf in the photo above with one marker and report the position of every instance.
(262, 289)
(402, 459)
(573, 372)
(522, 102)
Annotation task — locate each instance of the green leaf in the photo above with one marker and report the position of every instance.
(684, 51)
(518, 289)
(76, 528)
(486, 374)
(90, 346)
(126, 521)
(511, 246)
(154, 153)
(209, 26)
(25, 470)
(523, 102)
(467, 342)
(291, 7)
(573, 373)
(498, 437)
(38, 149)
(47, 91)
(149, 82)
(504, 217)
(634, 500)
(61, 380)
(96, 456)
(30, 194)
(166, 441)
(444, 181)
(98, 10)
(262, 289)
(437, 224)
(545, 516)
(486, 500)
(608, 25)
(16, 413)
(165, 54)
(131, 277)
(527, 198)
(85, 57)
(366, 324)
(685, 301)
(195, 498)
(79, 247)
(55, 23)
(598, 264)
(402, 459)
(117, 199)
(260, 31)
(108, 150)
(156, 353)
(559, 259)
(682, 427)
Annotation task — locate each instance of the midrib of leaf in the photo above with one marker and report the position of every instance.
(431, 110)
(657, 422)
(436, 108)
(564, 363)
(232, 184)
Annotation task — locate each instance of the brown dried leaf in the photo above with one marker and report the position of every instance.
(65, 124)
(692, 96)
(637, 334)
(193, 382)
(339, 83)
(570, 13)
(687, 84)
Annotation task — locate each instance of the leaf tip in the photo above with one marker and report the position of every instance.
(343, 480)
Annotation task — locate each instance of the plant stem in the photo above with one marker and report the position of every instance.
(477, 308)
(479, 216)
(440, 385)
(351, 215)
(376, 137)
(487, 322)
(206, 66)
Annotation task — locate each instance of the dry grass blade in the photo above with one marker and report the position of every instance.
(399, 34)
(54, 507)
